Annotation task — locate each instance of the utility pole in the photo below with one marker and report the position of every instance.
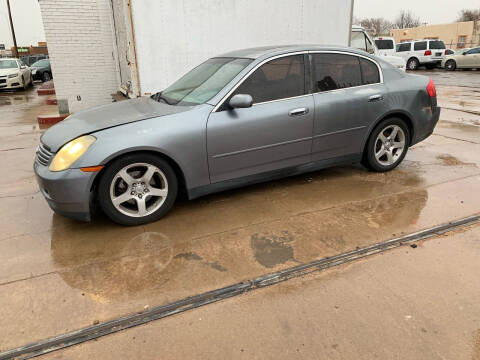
(13, 30)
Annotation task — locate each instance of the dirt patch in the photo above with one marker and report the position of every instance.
(450, 160)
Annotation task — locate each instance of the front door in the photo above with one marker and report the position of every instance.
(349, 96)
(275, 133)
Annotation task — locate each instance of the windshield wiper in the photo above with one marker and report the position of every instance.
(158, 96)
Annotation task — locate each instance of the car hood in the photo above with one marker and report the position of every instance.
(104, 117)
(4, 72)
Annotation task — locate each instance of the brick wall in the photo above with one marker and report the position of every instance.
(80, 37)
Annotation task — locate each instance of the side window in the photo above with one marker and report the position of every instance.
(421, 45)
(277, 79)
(370, 74)
(404, 47)
(335, 71)
(473, 51)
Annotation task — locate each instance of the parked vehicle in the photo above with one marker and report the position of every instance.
(41, 70)
(14, 74)
(422, 52)
(359, 39)
(385, 45)
(30, 59)
(467, 59)
(244, 117)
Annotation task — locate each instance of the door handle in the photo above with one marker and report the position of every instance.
(298, 112)
(375, 98)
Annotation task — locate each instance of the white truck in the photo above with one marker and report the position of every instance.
(141, 46)
(361, 40)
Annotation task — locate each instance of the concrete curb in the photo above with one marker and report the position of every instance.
(51, 101)
(46, 91)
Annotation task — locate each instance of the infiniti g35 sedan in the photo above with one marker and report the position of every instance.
(244, 117)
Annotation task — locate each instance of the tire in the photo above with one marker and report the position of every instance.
(413, 64)
(450, 65)
(46, 76)
(376, 146)
(134, 178)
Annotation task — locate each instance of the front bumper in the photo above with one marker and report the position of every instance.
(67, 192)
(12, 83)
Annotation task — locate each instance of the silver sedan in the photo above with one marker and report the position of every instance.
(244, 117)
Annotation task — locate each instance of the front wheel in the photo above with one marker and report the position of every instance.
(46, 76)
(137, 189)
(413, 64)
(387, 145)
(450, 65)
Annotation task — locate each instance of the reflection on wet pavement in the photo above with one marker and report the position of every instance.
(57, 274)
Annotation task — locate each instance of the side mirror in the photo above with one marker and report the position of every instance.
(241, 101)
(23, 67)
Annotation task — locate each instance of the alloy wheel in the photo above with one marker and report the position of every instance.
(389, 145)
(138, 189)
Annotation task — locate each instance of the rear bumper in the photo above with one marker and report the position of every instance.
(67, 192)
(427, 130)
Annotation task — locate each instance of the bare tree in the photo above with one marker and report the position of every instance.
(378, 26)
(469, 15)
(406, 19)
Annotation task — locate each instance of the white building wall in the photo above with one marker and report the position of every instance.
(81, 45)
(173, 36)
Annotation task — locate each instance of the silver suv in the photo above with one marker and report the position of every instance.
(421, 52)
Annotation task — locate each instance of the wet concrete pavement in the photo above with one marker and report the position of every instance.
(409, 303)
(57, 275)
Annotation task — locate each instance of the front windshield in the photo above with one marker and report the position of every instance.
(8, 64)
(202, 83)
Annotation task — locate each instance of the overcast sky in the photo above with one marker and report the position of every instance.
(29, 27)
(26, 19)
(430, 11)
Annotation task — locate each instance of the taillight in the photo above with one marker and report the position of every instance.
(432, 92)
(428, 52)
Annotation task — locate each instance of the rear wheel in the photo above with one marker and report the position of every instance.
(450, 65)
(136, 189)
(387, 145)
(413, 64)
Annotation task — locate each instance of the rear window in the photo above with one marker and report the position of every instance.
(421, 45)
(370, 74)
(404, 47)
(384, 44)
(335, 71)
(437, 44)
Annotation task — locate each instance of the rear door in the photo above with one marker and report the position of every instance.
(349, 96)
(275, 133)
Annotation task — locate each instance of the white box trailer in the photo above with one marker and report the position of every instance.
(153, 42)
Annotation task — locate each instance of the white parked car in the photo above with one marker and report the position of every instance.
(422, 52)
(466, 59)
(14, 74)
(385, 45)
(361, 40)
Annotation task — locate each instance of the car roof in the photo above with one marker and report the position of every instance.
(259, 52)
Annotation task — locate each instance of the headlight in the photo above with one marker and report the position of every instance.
(13, 75)
(71, 152)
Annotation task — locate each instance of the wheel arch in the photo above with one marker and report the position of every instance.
(393, 114)
(413, 57)
(179, 173)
